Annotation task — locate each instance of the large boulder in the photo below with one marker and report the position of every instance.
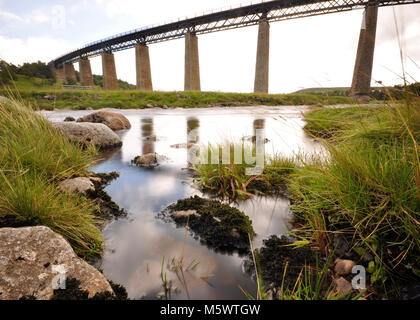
(97, 134)
(34, 261)
(114, 121)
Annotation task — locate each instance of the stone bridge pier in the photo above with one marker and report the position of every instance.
(362, 77)
(69, 72)
(85, 69)
(263, 58)
(192, 63)
(143, 70)
(109, 71)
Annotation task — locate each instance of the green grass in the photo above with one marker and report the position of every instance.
(98, 99)
(366, 188)
(230, 181)
(33, 159)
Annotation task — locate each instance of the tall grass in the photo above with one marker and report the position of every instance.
(33, 159)
(98, 99)
(367, 189)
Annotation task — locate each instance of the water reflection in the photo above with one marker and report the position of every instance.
(136, 246)
(148, 136)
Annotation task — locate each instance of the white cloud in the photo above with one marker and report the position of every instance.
(32, 49)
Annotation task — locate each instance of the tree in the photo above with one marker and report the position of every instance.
(7, 72)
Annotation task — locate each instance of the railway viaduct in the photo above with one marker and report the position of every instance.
(262, 14)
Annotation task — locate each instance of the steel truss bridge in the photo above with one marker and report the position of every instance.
(239, 17)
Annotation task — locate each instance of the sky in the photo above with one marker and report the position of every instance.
(304, 53)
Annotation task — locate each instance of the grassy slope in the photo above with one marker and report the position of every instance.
(68, 99)
(33, 159)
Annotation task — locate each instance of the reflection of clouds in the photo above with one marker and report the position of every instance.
(137, 263)
(136, 246)
(269, 216)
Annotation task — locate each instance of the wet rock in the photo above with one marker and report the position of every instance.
(114, 121)
(108, 209)
(342, 286)
(32, 260)
(218, 225)
(79, 185)
(69, 119)
(344, 267)
(96, 134)
(149, 160)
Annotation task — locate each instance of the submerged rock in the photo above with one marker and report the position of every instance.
(218, 225)
(114, 121)
(80, 185)
(34, 261)
(149, 160)
(89, 133)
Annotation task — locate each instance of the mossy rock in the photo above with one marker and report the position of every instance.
(218, 225)
(272, 258)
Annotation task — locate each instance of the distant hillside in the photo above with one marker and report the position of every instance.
(39, 75)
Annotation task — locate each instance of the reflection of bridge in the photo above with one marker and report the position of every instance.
(256, 14)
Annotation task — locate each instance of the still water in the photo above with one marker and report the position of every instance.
(136, 245)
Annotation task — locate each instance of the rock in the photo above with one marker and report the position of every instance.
(165, 107)
(114, 121)
(33, 259)
(218, 225)
(69, 119)
(149, 106)
(341, 245)
(48, 97)
(97, 134)
(149, 160)
(342, 286)
(4, 100)
(344, 267)
(80, 185)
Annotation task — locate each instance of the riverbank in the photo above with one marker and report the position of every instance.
(361, 203)
(49, 99)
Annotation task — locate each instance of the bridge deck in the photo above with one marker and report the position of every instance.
(223, 20)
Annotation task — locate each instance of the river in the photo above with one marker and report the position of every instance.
(137, 245)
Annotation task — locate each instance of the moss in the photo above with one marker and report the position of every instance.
(218, 225)
(273, 257)
(108, 209)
